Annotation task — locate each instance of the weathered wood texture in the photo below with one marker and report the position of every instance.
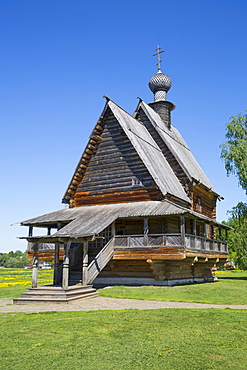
(150, 253)
(111, 197)
(158, 269)
(167, 153)
(127, 268)
(115, 172)
(207, 200)
(47, 255)
(156, 225)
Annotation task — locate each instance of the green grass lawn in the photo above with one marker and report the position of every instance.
(231, 288)
(15, 281)
(171, 339)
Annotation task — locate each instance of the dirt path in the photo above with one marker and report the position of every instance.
(105, 303)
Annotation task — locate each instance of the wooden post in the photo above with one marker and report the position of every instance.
(85, 264)
(48, 230)
(145, 226)
(220, 234)
(35, 265)
(65, 282)
(182, 230)
(30, 230)
(56, 278)
(204, 236)
(212, 232)
(194, 233)
(226, 247)
(113, 229)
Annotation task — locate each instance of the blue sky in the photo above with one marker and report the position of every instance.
(59, 57)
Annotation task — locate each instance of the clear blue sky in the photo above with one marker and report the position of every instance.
(59, 57)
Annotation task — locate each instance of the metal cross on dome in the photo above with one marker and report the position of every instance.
(159, 51)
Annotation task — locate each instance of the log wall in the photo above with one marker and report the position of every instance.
(159, 270)
(115, 173)
(208, 201)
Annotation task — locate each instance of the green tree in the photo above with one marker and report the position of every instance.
(238, 236)
(234, 150)
(17, 259)
(234, 154)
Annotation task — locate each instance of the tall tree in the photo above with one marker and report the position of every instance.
(234, 154)
(238, 236)
(234, 150)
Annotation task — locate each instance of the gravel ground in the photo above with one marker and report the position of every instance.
(105, 303)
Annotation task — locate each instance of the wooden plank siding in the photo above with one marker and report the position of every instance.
(115, 172)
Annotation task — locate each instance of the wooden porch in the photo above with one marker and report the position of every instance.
(189, 242)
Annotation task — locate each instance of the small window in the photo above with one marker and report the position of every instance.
(137, 182)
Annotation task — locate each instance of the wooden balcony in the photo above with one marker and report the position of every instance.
(191, 242)
(203, 244)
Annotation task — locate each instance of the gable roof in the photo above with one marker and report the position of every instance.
(148, 151)
(177, 146)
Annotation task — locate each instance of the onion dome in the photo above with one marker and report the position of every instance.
(160, 84)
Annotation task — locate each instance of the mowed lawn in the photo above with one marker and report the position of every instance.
(231, 288)
(171, 339)
(15, 281)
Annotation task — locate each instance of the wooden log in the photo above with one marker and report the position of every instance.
(71, 191)
(97, 138)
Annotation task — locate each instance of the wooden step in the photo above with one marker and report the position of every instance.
(53, 294)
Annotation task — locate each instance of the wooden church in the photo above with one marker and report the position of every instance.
(141, 211)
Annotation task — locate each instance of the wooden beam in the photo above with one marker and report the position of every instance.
(35, 265)
(85, 264)
(56, 279)
(30, 230)
(182, 229)
(113, 229)
(65, 281)
(97, 138)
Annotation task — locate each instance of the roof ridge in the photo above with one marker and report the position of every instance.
(167, 132)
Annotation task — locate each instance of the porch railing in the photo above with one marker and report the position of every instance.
(153, 240)
(201, 243)
(166, 240)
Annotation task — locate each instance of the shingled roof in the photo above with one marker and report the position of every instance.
(177, 147)
(91, 220)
